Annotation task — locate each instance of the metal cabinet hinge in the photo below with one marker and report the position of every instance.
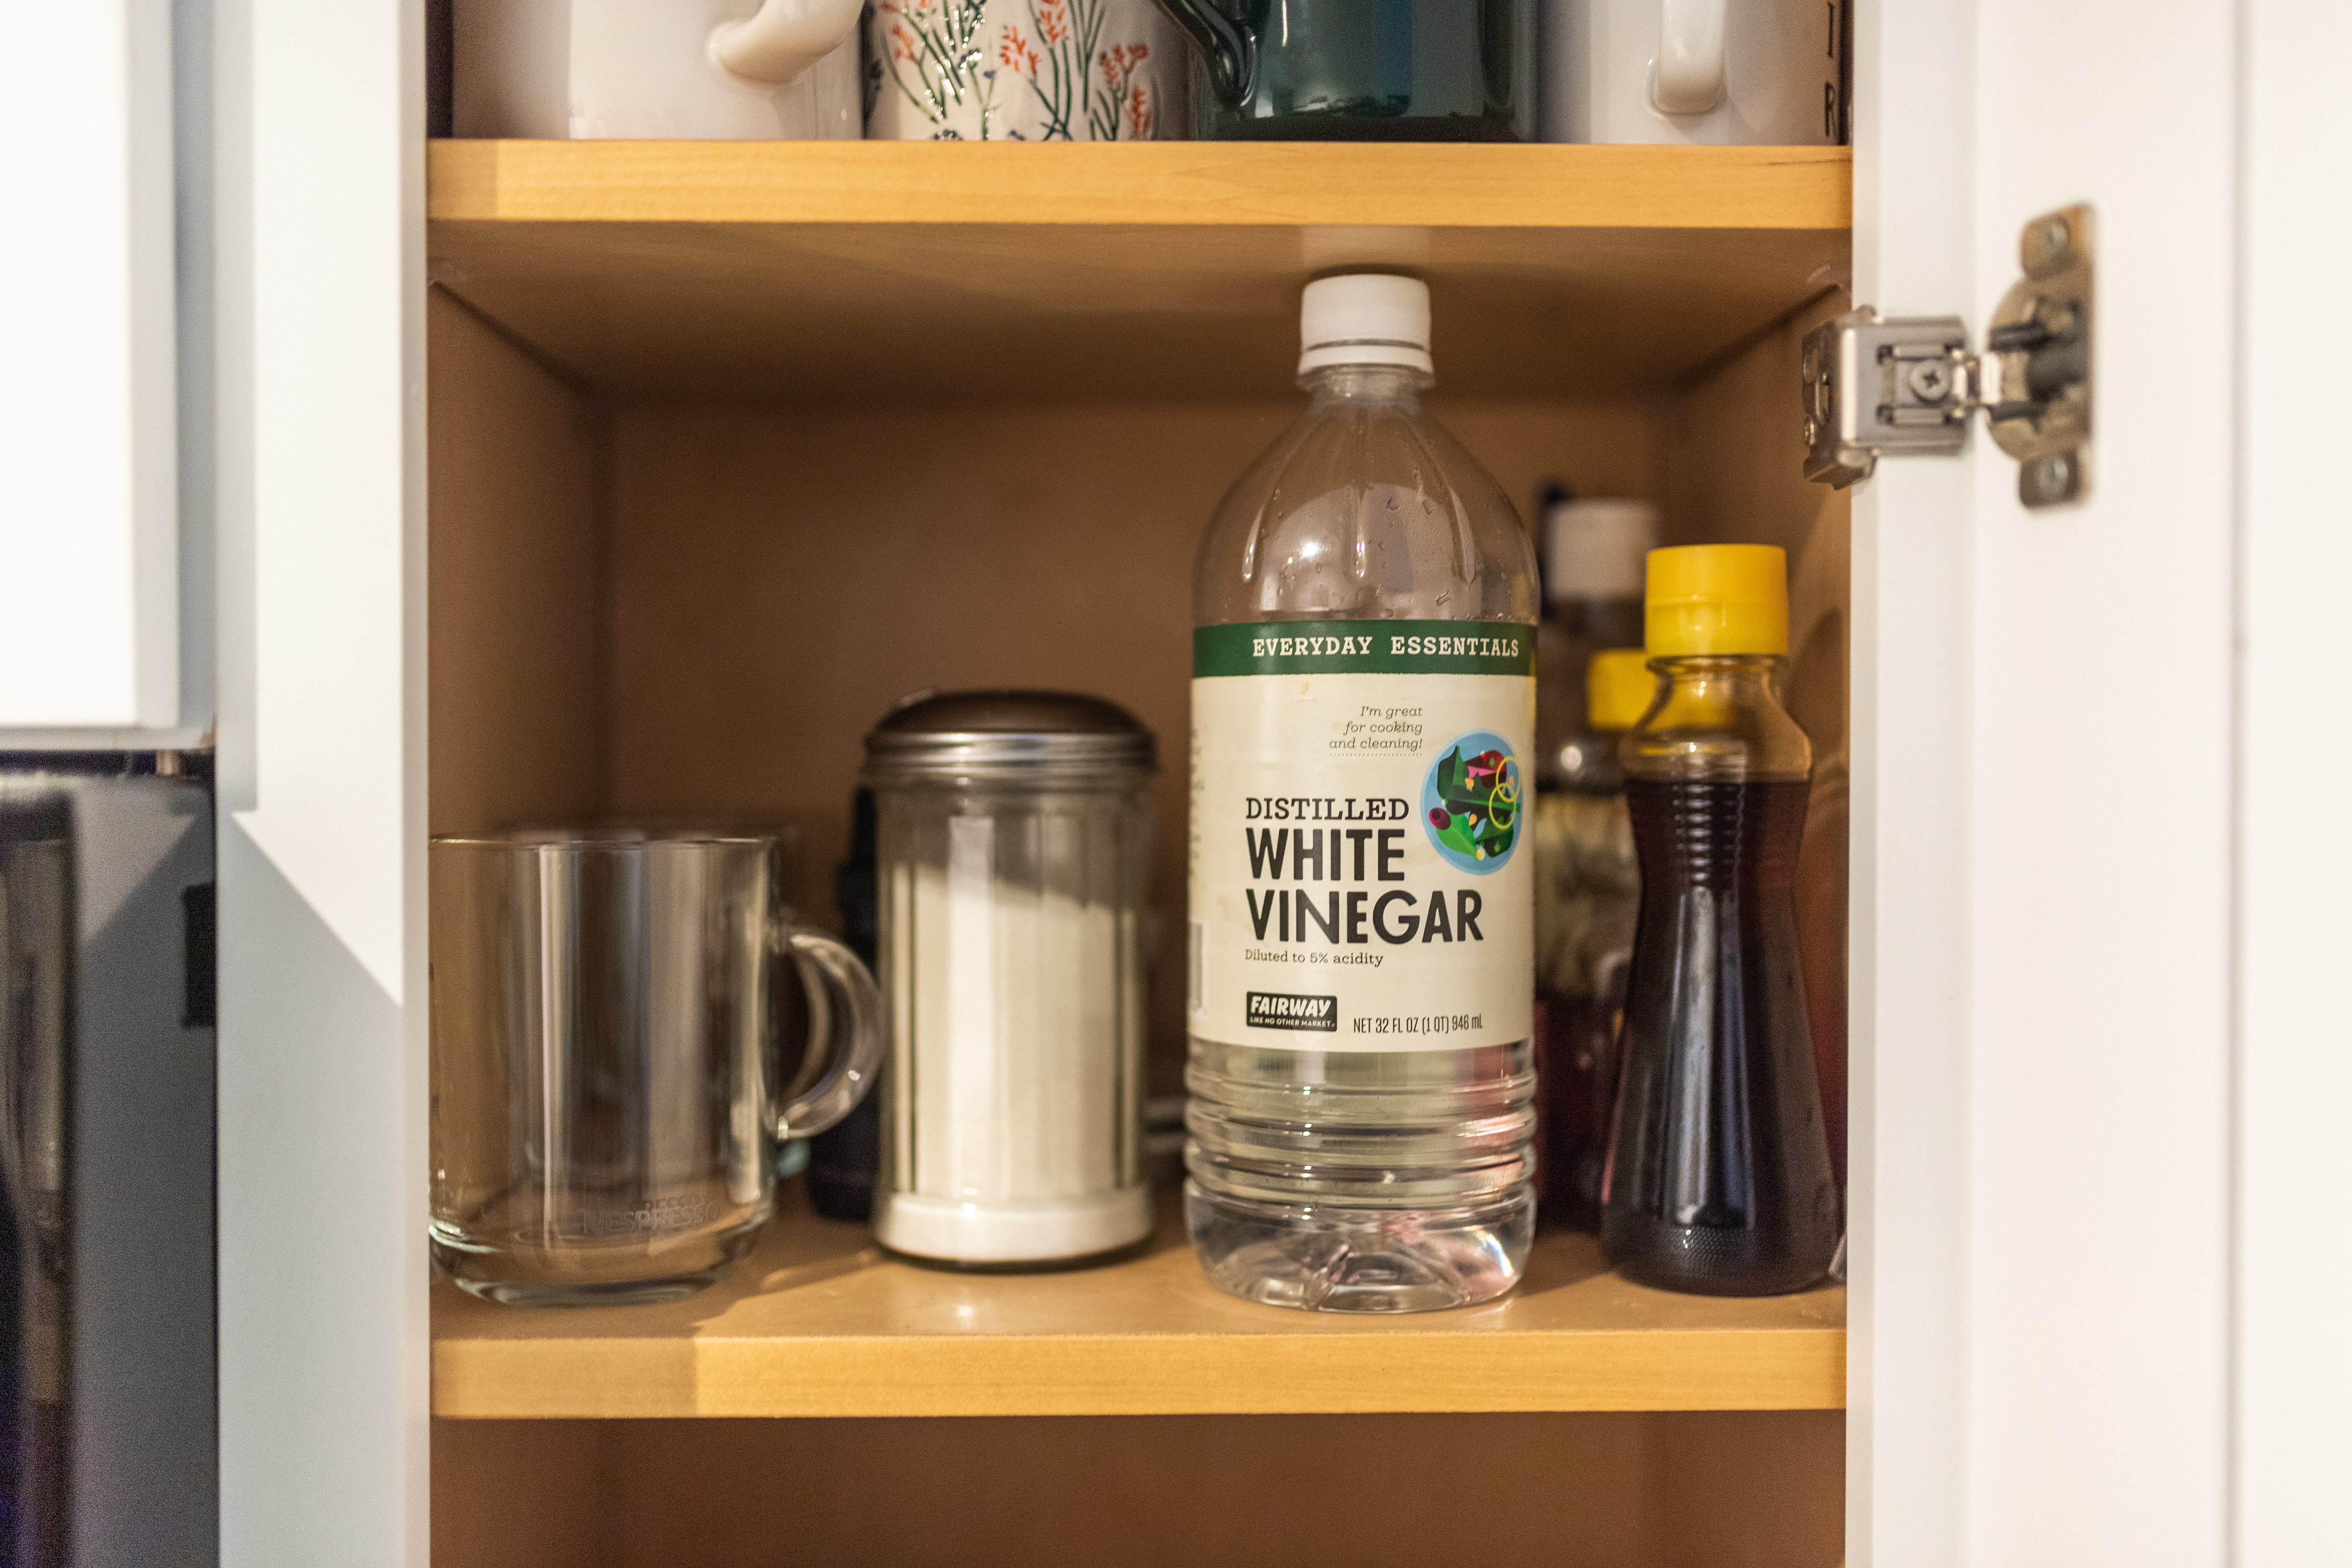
(1893, 387)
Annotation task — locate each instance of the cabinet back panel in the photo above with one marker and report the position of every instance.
(1762, 1491)
(526, 1494)
(780, 578)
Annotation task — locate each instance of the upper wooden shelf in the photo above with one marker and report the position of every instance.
(816, 1322)
(1163, 183)
(813, 272)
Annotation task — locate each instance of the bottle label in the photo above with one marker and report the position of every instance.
(1360, 878)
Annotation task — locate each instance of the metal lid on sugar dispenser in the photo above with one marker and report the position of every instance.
(1039, 736)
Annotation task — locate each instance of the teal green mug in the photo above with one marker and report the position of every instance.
(1362, 70)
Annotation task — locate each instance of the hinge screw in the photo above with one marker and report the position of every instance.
(1931, 381)
(2051, 240)
(2047, 479)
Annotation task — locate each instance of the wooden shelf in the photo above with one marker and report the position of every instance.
(820, 271)
(1153, 184)
(816, 1322)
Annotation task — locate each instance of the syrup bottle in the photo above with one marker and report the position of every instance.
(1718, 1179)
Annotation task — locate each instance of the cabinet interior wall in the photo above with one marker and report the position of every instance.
(672, 610)
(694, 610)
(1764, 1490)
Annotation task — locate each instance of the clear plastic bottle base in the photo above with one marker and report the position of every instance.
(1329, 1260)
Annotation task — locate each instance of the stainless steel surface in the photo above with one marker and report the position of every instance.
(1042, 737)
(108, 1437)
(1879, 387)
(36, 955)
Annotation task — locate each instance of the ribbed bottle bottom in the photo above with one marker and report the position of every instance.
(1365, 1182)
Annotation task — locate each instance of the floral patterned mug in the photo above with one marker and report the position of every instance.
(1023, 70)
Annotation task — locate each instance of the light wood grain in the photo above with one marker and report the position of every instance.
(1693, 1490)
(540, 1494)
(1150, 183)
(817, 1322)
(778, 579)
(1733, 1488)
(819, 273)
(514, 608)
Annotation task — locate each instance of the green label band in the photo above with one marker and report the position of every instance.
(1365, 647)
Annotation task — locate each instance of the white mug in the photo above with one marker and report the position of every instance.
(1722, 72)
(1023, 71)
(750, 70)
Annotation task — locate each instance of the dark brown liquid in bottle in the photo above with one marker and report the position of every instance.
(1575, 1055)
(1718, 1178)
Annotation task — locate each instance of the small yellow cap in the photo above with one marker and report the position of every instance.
(1717, 598)
(1618, 687)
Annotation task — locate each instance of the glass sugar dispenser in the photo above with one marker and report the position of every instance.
(1013, 834)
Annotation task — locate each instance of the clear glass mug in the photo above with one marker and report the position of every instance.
(606, 1077)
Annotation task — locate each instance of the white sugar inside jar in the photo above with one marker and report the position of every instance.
(1014, 836)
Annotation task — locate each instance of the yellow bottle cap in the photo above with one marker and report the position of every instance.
(1618, 687)
(1717, 598)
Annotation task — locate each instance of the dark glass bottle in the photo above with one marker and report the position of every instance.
(1590, 687)
(1587, 892)
(1718, 1178)
(845, 1158)
(1361, 70)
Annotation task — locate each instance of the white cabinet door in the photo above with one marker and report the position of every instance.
(89, 580)
(2292, 1372)
(2094, 1028)
(316, 142)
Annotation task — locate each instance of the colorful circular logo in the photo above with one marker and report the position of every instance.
(1470, 802)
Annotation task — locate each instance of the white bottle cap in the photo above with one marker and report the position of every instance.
(1364, 318)
(1597, 548)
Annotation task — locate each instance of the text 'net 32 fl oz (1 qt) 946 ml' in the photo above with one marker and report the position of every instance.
(1361, 892)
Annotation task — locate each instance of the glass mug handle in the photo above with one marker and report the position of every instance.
(846, 1012)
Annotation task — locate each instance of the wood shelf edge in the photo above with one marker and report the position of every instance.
(1760, 1368)
(1158, 183)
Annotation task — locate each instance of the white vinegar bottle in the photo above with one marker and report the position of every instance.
(1362, 902)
